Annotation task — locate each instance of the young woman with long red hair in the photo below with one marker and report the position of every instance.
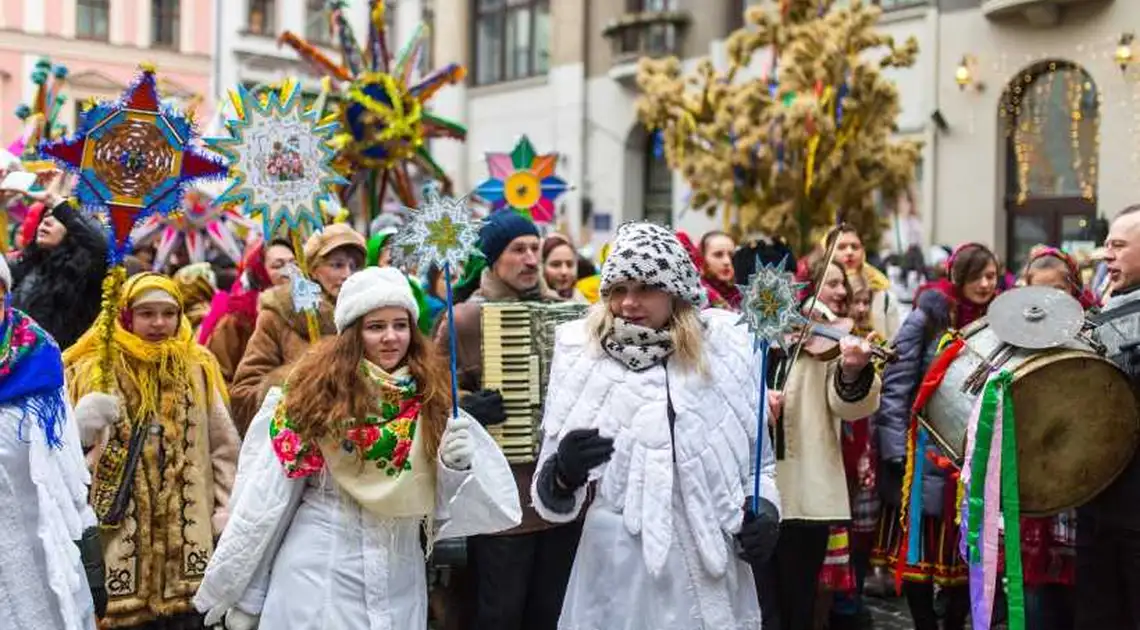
(342, 469)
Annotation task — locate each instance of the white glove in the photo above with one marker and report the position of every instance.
(238, 619)
(457, 447)
(96, 412)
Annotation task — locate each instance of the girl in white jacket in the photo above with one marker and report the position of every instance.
(656, 402)
(343, 469)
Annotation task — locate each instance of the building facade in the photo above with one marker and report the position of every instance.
(101, 43)
(1040, 138)
(570, 89)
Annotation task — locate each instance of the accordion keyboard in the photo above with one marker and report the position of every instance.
(510, 365)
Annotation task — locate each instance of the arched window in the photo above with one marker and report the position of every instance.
(1051, 111)
(658, 185)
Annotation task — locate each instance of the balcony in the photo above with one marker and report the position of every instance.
(1035, 12)
(643, 34)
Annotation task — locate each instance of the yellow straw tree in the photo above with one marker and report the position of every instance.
(802, 145)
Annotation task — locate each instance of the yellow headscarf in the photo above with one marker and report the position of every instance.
(144, 363)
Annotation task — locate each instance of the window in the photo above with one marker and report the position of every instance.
(317, 23)
(1052, 115)
(658, 185)
(262, 19)
(427, 62)
(91, 19)
(512, 39)
(165, 23)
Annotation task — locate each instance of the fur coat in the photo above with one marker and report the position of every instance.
(62, 288)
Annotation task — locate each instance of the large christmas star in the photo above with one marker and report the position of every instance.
(133, 158)
(280, 159)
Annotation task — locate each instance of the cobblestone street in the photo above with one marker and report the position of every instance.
(890, 613)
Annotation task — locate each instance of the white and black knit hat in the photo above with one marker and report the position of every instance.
(652, 255)
(370, 289)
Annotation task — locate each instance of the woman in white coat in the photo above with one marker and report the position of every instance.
(43, 486)
(655, 401)
(342, 470)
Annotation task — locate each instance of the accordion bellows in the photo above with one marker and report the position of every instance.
(518, 346)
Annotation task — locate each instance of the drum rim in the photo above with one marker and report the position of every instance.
(1023, 369)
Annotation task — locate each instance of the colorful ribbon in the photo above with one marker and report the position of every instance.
(994, 494)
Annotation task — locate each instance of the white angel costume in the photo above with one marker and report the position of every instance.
(43, 511)
(657, 549)
(305, 555)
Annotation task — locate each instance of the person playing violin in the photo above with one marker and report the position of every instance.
(819, 393)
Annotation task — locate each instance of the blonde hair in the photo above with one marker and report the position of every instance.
(685, 331)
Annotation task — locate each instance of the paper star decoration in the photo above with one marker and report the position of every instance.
(133, 158)
(770, 307)
(385, 120)
(280, 160)
(199, 225)
(440, 232)
(524, 181)
(306, 294)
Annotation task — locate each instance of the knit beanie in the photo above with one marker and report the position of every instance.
(652, 255)
(370, 289)
(500, 229)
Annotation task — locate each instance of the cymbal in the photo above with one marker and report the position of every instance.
(1035, 317)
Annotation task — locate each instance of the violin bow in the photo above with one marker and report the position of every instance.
(818, 282)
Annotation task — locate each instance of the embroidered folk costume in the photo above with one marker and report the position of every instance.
(163, 479)
(326, 530)
(43, 484)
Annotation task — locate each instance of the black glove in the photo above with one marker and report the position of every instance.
(486, 406)
(578, 452)
(91, 552)
(890, 482)
(759, 533)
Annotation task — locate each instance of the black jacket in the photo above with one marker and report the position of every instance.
(62, 288)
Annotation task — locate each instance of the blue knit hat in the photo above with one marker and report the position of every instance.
(500, 229)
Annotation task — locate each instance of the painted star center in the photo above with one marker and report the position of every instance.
(443, 234)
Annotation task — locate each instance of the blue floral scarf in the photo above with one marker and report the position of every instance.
(31, 374)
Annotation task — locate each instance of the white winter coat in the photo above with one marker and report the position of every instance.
(657, 549)
(305, 556)
(43, 511)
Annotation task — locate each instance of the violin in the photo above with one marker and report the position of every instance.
(822, 340)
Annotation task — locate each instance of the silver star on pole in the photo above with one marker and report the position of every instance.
(770, 307)
(440, 232)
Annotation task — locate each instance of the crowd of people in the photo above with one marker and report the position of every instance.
(223, 458)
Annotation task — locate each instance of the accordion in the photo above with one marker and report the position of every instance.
(518, 346)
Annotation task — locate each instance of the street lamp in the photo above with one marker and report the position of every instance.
(1124, 55)
(964, 74)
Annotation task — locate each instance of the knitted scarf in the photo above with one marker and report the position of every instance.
(31, 373)
(637, 347)
(146, 366)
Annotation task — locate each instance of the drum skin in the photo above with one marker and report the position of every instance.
(1077, 419)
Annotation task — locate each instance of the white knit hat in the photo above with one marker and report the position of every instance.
(370, 289)
(5, 274)
(652, 255)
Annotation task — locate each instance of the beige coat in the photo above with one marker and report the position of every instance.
(279, 340)
(811, 478)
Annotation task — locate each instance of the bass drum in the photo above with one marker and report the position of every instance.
(1077, 419)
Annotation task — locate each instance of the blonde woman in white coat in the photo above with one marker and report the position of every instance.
(327, 513)
(655, 401)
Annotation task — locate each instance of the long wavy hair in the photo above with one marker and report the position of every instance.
(328, 391)
(685, 331)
